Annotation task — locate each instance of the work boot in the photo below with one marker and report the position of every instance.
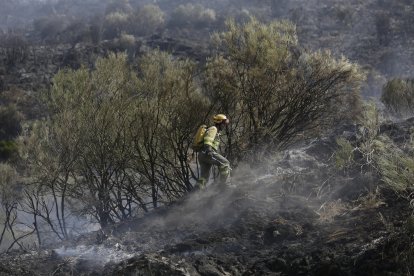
(200, 185)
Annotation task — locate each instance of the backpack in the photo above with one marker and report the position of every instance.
(198, 140)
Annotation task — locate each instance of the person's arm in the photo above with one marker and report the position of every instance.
(209, 138)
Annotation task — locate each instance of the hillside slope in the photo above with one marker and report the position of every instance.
(296, 216)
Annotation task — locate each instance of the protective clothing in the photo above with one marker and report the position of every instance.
(209, 156)
(220, 118)
(212, 138)
(207, 160)
(198, 140)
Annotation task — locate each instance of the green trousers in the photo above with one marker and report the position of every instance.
(207, 161)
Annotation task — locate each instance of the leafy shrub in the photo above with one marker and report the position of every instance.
(26, 105)
(377, 154)
(344, 155)
(367, 132)
(115, 141)
(118, 6)
(144, 21)
(192, 15)
(147, 19)
(126, 41)
(398, 97)
(396, 167)
(275, 92)
(115, 23)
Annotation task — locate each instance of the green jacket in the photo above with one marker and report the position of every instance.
(212, 138)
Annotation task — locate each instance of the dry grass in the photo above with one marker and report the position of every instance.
(329, 210)
(371, 200)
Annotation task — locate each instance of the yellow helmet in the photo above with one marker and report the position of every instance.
(220, 118)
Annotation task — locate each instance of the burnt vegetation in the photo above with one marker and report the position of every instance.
(99, 101)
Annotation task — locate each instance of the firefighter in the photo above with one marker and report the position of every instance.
(208, 155)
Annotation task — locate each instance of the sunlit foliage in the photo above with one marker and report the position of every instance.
(398, 97)
(114, 139)
(274, 91)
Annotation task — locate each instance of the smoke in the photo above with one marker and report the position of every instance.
(295, 181)
(292, 173)
(93, 255)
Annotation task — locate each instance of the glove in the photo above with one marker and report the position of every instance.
(208, 150)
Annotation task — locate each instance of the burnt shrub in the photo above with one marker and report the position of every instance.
(10, 127)
(15, 48)
(8, 149)
(77, 31)
(49, 28)
(10, 120)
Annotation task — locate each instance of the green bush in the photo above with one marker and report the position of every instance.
(191, 15)
(344, 155)
(275, 92)
(367, 132)
(23, 104)
(115, 23)
(146, 20)
(122, 6)
(395, 166)
(377, 153)
(398, 97)
(114, 139)
(124, 43)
